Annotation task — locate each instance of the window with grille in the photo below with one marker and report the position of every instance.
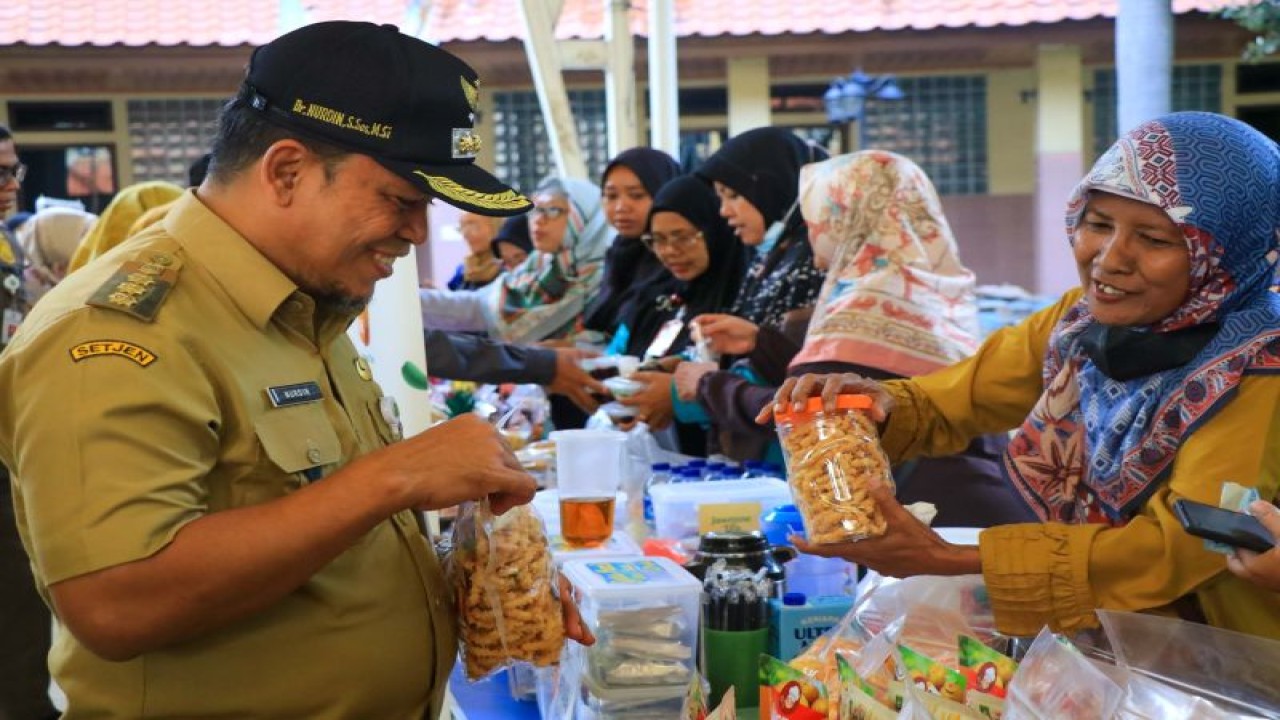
(522, 152)
(167, 135)
(1195, 87)
(941, 124)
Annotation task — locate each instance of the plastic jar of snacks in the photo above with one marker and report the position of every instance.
(832, 459)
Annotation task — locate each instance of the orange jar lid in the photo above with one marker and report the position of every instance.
(848, 401)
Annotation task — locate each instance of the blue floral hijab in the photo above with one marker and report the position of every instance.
(1094, 448)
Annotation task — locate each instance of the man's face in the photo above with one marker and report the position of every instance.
(8, 190)
(351, 228)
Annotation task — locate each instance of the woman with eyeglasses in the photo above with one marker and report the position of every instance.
(756, 175)
(702, 268)
(629, 184)
(545, 296)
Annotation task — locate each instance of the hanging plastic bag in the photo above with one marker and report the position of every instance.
(505, 585)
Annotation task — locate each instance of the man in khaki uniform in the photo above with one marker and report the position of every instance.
(204, 472)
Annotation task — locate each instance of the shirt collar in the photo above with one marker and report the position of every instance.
(252, 281)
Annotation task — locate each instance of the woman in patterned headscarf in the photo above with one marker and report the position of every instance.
(1155, 381)
(543, 298)
(897, 302)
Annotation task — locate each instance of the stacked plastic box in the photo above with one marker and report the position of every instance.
(675, 505)
(644, 613)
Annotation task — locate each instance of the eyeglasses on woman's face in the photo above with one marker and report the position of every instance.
(677, 240)
(550, 212)
(17, 171)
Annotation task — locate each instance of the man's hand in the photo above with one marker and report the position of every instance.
(687, 376)
(573, 382)
(796, 391)
(727, 334)
(653, 403)
(574, 628)
(1261, 569)
(463, 459)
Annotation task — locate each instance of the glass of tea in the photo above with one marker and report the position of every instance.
(589, 466)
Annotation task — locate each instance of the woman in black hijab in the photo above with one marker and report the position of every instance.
(757, 176)
(628, 185)
(512, 244)
(702, 268)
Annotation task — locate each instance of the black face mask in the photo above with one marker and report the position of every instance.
(1123, 353)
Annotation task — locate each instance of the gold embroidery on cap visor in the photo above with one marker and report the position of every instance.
(138, 354)
(450, 190)
(466, 144)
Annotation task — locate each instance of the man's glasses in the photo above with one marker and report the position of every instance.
(550, 212)
(12, 172)
(675, 240)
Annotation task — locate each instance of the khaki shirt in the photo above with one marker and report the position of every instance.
(123, 422)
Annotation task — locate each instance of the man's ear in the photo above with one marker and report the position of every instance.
(282, 167)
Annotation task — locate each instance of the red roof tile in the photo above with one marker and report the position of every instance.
(252, 22)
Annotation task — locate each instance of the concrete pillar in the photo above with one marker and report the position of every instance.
(1059, 161)
(1144, 62)
(748, 94)
(664, 98)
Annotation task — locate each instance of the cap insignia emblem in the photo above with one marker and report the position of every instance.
(471, 92)
(466, 144)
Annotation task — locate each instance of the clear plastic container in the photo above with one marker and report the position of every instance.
(832, 460)
(675, 505)
(644, 614)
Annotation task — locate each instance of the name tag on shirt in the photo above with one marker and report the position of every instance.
(295, 394)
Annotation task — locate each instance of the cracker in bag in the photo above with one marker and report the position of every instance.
(505, 585)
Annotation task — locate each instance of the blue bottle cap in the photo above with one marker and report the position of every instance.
(793, 598)
(781, 522)
(661, 466)
(697, 464)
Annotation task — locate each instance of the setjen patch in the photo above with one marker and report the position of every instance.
(98, 348)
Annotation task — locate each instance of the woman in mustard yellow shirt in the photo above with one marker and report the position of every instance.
(1157, 379)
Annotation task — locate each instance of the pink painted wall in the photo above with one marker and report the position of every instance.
(996, 236)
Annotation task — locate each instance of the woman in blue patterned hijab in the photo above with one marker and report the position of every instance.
(1154, 382)
(1143, 388)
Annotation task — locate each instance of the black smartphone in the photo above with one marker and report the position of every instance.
(1225, 526)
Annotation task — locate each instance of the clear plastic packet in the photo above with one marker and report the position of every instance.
(862, 698)
(1056, 681)
(505, 585)
(1227, 672)
(963, 599)
(833, 460)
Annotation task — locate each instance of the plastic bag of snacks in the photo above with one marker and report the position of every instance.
(833, 459)
(501, 571)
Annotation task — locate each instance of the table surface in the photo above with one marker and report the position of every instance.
(489, 699)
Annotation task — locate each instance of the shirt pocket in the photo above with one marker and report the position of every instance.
(297, 444)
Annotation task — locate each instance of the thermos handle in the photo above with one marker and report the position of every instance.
(782, 553)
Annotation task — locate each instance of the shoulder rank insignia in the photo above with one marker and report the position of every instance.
(139, 286)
